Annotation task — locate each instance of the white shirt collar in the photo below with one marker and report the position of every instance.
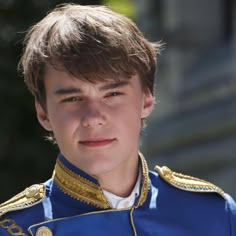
(120, 202)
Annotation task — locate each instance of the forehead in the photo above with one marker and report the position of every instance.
(57, 70)
(58, 77)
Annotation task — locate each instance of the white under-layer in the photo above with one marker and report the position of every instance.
(124, 202)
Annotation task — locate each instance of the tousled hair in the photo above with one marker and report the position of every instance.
(92, 43)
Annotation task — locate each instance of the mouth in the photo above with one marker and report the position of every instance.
(98, 142)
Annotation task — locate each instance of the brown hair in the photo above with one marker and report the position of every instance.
(90, 42)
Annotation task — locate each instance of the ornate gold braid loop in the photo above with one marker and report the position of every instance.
(11, 227)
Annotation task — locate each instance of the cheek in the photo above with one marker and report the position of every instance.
(64, 122)
(129, 115)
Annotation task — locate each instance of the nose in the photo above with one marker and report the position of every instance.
(93, 116)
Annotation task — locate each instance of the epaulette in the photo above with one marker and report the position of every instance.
(27, 198)
(187, 183)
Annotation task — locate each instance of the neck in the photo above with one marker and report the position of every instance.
(122, 180)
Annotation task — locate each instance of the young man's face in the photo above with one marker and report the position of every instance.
(96, 126)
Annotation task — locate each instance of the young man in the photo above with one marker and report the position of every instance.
(92, 74)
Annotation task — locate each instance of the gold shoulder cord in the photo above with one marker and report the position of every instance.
(11, 227)
(29, 197)
(187, 183)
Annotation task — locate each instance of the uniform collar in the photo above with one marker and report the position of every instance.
(80, 186)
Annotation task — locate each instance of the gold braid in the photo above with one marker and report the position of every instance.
(11, 227)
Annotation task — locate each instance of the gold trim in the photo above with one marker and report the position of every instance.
(130, 209)
(86, 191)
(11, 227)
(70, 217)
(145, 181)
(78, 187)
(29, 197)
(132, 221)
(187, 183)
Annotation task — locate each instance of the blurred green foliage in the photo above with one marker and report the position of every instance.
(126, 7)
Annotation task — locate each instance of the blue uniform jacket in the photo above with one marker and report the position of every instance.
(72, 203)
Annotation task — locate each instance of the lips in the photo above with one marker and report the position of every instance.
(98, 142)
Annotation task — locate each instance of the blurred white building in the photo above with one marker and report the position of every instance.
(193, 128)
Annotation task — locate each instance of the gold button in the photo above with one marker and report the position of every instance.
(44, 231)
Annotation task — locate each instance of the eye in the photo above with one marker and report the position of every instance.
(72, 99)
(113, 94)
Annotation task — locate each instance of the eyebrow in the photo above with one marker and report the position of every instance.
(66, 91)
(114, 85)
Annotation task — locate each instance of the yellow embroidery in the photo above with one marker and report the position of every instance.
(30, 196)
(78, 187)
(11, 227)
(86, 191)
(145, 180)
(187, 183)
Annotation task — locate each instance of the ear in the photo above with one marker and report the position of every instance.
(42, 116)
(148, 104)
